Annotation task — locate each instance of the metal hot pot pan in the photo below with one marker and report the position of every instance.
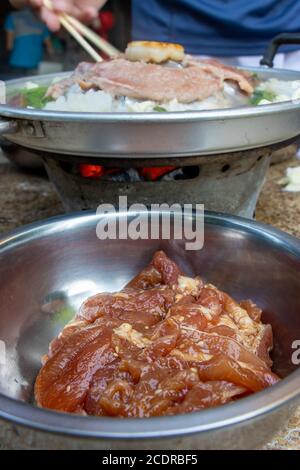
(52, 266)
(152, 135)
(156, 135)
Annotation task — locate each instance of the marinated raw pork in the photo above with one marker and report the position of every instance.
(166, 344)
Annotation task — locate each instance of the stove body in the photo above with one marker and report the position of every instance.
(228, 182)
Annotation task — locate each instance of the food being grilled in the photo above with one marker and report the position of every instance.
(149, 77)
(152, 51)
(155, 77)
(164, 345)
(242, 78)
(144, 85)
(142, 81)
(276, 91)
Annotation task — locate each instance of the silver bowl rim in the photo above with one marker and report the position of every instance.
(250, 408)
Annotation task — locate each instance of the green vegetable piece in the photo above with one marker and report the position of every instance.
(36, 97)
(260, 95)
(159, 109)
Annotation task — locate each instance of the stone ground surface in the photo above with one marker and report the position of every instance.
(25, 198)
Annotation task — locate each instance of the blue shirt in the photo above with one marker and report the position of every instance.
(29, 36)
(216, 27)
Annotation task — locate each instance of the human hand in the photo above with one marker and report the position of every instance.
(84, 10)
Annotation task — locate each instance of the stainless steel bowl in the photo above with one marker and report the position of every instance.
(48, 268)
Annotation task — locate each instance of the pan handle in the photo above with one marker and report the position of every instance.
(8, 127)
(284, 38)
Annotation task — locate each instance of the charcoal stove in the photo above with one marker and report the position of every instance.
(228, 183)
(221, 155)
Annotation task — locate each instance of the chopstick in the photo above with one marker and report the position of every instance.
(78, 30)
(81, 41)
(103, 45)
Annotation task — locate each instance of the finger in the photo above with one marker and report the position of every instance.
(82, 9)
(90, 8)
(87, 14)
(96, 3)
(65, 6)
(50, 18)
(36, 3)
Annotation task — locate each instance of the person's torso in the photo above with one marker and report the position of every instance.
(29, 34)
(215, 27)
